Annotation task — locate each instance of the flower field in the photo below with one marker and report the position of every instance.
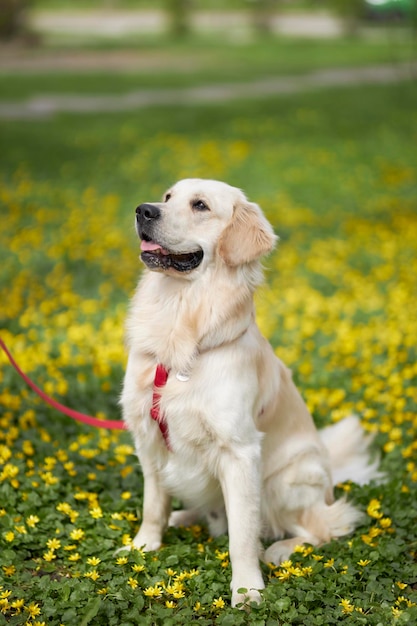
(335, 172)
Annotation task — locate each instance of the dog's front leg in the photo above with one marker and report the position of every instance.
(240, 480)
(156, 509)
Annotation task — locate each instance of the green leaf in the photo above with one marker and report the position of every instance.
(93, 608)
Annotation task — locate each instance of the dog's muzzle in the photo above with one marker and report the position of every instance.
(154, 255)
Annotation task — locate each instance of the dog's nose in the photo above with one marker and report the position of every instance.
(147, 212)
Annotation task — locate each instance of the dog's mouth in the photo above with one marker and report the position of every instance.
(158, 258)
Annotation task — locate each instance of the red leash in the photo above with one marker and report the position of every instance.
(80, 417)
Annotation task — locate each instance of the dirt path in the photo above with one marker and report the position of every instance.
(72, 26)
(116, 23)
(45, 106)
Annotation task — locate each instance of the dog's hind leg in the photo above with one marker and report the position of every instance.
(298, 502)
(315, 526)
(184, 517)
(281, 550)
(216, 519)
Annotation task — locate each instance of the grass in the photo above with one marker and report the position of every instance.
(335, 172)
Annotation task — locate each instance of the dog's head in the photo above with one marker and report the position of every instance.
(198, 222)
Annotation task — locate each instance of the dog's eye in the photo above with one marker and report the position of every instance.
(199, 205)
(167, 197)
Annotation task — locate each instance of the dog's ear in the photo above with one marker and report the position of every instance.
(247, 237)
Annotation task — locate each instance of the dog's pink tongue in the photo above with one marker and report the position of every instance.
(152, 246)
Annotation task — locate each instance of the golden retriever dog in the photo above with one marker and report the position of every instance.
(215, 416)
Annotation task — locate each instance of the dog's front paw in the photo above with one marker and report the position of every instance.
(243, 596)
(246, 592)
(147, 540)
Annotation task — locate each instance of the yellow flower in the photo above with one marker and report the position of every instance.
(28, 448)
(153, 592)
(33, 609)
(5, 454)
(170, 604)
(138, 568)
(368, 540)
(49, 556)
(9, 570)
(93, 560)
(53, 544)
(176, 589)
(132, 582)
(9, 471)
(363, 562)
(122, 560)
(32, 520)
(170, 571)
(373, 509)
(66, 509)
(49, 478)
(385, 522)
(221, 555)
(74, 557)
(304, 550)
(218, 603)
(9, 536)
(17, 605)
(347, 607)
(77, 534)
(96, 512)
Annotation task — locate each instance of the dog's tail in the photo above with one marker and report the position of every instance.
(349, 449)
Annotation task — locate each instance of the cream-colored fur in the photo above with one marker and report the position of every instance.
(243, 449)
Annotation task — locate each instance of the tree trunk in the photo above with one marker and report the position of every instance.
(179, 16)
(262, 14)
(13, 19)
(351, 12)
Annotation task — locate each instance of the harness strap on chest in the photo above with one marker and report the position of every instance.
(161, 377)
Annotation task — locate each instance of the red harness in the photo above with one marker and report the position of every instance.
(161, 377)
